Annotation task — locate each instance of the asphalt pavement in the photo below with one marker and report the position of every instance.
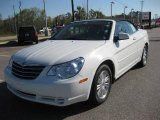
(154, 34)
(134, 96)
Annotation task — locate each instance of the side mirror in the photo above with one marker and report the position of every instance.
(123, 36)
(116, 39)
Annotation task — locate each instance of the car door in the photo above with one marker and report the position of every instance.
(125, 50)
(138, 38)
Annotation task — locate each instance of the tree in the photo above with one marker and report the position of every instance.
(62, 19)
(32, 16)
(100, 15)
(1, 21)
(68, 18)
(36, 17)
(96, 14)
(0, 16)
(49, 21)
(1, 24)
(92, 14)
(7, 26)
(80, 14)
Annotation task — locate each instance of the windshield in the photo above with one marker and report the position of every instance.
(26, 29)
(85, 30)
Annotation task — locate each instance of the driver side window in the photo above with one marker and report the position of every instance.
(118, 28)
(121, 27)
(125, 27)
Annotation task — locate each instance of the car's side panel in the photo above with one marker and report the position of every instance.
(125, 54)
(139, 42)
(128, 52)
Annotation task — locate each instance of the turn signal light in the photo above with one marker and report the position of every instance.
(83, 80)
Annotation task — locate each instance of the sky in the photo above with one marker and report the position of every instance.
(57, 7)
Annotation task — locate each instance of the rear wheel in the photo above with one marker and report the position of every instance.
(101, 85)
(20, 42)
(143, 61)
(36, 41)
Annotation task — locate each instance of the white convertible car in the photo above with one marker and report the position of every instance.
(78, 64)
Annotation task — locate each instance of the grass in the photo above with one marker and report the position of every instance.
(7, 40)
(4, 41)
(6, 35)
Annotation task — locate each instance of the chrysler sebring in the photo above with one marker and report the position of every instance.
(79, 63)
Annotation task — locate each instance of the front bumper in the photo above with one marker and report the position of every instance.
(48, 91)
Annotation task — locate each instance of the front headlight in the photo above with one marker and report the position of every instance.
(68, 69)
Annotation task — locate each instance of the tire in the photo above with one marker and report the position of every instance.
(20, 42)
(36, 41)
(101, 85)
(144, 57)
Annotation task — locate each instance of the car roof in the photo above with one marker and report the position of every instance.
(113, 20)
(94, 20)
(27, 26)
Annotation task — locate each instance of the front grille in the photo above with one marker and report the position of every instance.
(26, 72)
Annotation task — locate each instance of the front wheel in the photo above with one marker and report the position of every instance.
(36, 41)
(143, 61)
(101, 85)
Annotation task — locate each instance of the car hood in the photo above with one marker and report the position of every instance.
(56, 51)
